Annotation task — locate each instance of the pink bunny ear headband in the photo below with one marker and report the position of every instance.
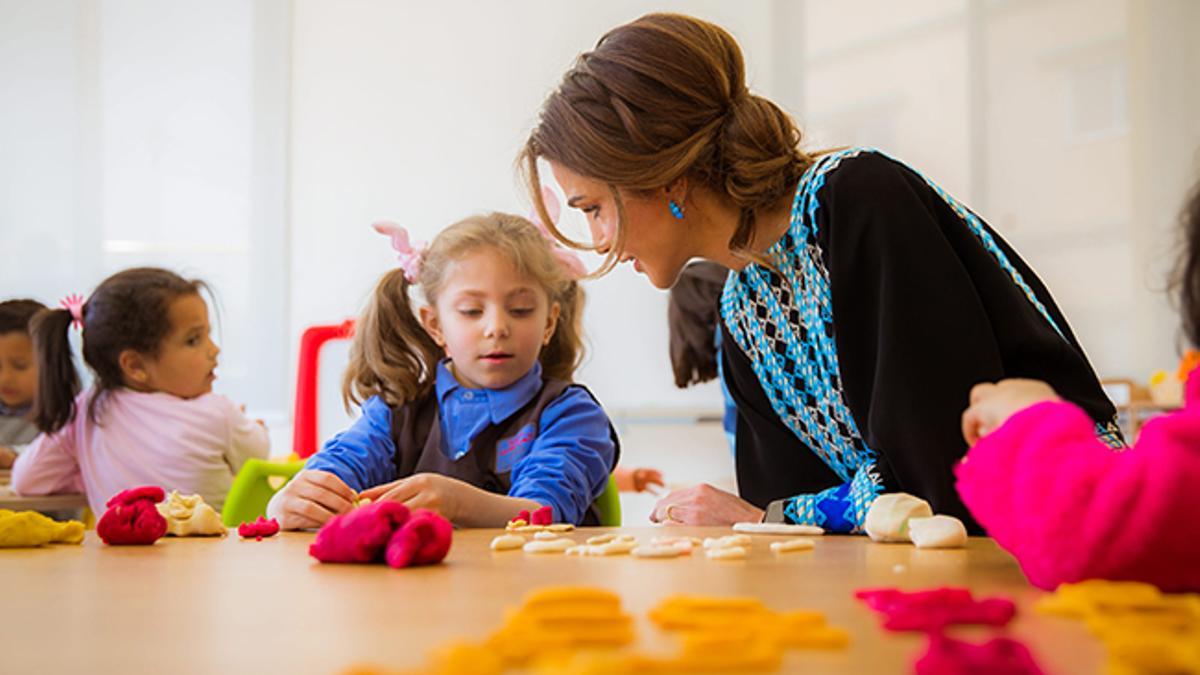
(571, 262)
(73, 303)
(408, 254)
(411, 254)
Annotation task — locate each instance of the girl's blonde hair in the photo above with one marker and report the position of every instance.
(393, 357)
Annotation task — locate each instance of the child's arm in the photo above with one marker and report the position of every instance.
(568, 464)
(459, 502)
(357, 458)
(248, 438)
(566, 468)
(48, 465)
(1069, 508)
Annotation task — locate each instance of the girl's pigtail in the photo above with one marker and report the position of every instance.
(391, 356)
(58, 379)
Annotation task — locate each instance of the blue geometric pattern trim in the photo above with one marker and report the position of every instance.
(785, 325)
(837, 509)
(989, 243)
(1109, 433)
(783, 321)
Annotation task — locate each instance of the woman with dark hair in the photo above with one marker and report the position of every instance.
(1069, 508)
(863, 301)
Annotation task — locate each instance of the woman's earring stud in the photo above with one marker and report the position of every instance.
(676, 210)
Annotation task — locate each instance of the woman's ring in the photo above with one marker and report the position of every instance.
(671, 518)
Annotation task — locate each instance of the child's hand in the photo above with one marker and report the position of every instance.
(638, 480)
(431, 491)
(993, 404)
(310, 499)
(7, 457)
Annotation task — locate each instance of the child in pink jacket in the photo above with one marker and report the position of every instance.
(1064, 504)
(149, 417)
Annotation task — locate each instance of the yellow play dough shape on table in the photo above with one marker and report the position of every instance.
(30, 528)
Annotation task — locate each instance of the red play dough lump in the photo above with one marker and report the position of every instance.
(384, 532)
(132, 518)
(423, 540)
(932, 610)
(1001, 656)
(259, 528)
(543, 516)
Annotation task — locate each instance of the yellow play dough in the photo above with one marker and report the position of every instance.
(30, 528)
(1143, 629)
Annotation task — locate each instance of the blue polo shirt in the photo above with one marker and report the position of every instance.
(563, 462)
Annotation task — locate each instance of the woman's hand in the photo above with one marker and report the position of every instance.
(431, 491)
(7, 457)
(309, 500)
(704, 505)
(993, 404)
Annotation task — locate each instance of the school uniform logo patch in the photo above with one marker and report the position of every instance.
(510, 450)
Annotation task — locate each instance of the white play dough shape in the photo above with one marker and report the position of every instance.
(887, 519)
(937, 532)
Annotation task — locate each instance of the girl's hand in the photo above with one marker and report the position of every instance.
(7, 457)
(309, 500)
(431, 491)
(638, 480)
(644, 478)
(704, 505)
(992, 405)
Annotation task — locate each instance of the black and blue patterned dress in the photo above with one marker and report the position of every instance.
(852, 359)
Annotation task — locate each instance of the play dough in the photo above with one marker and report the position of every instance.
(887, 519)
(30, 528)
(937, 532)
(132, 519)
(190, 515)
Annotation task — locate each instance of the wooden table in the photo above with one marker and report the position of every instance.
(9, 500)
(227, 605)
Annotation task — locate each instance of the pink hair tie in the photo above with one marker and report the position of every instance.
(570, 261)
(408, 254)
(73, 303)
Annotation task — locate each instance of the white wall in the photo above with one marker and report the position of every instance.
(252, 143)
(415, 112)
(1072, 126)
(135, 132)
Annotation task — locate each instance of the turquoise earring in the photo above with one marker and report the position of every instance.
(676, 210)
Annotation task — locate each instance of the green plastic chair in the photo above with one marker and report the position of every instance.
(608, 505)
(252, 488)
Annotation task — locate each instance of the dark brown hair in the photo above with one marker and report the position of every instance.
(664, 98)
(693, 316)
(15, 315)
(394, 358)
(129, 310)
(1186, 277)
